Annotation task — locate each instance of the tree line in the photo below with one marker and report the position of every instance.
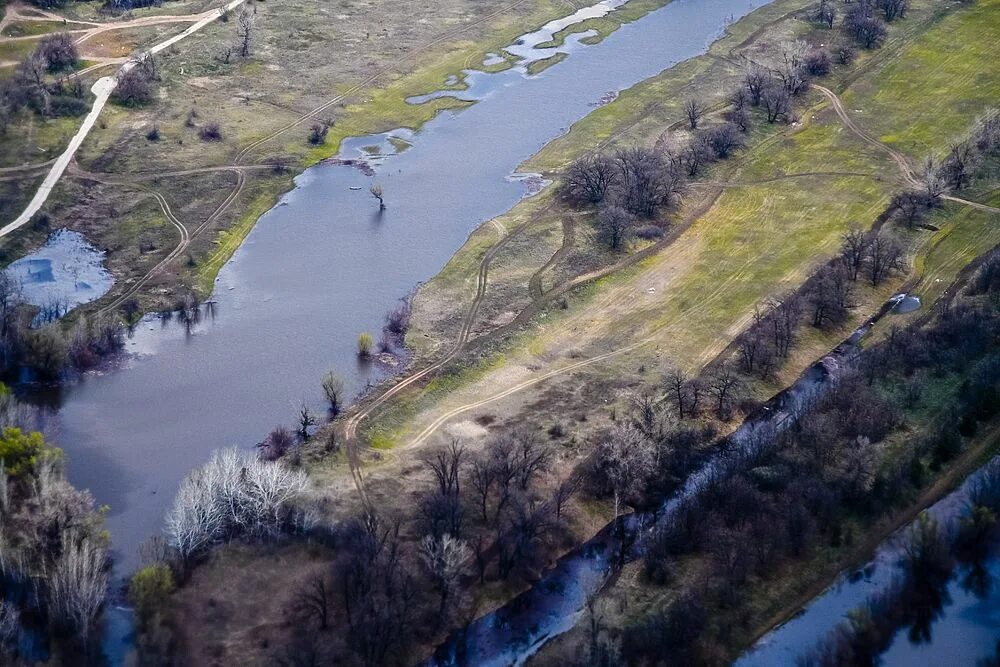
(931, 557)
(48, 351)
(786, 494)
(54, 560)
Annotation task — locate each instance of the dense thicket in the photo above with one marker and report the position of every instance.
(54, 559)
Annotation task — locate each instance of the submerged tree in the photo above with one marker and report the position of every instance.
(376, 191)
(333, 389)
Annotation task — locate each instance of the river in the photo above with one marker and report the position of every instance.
(966, 630)
(325, 264)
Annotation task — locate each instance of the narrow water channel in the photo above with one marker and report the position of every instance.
(966, 630)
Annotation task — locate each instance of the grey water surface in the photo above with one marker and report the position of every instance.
(324, 265)
(64, 273)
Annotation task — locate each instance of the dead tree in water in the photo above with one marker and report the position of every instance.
(376, 191)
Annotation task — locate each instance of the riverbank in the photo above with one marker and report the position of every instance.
(399, 59)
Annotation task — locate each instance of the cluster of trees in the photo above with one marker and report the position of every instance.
(31, 87)
(633, 184)
(784, 494)
(489, 502)
(485, 516)
(966, 158)
(824, 300)
(864, 21)
(49, 350)
(235, 494)
(54, 559)
(929, 560)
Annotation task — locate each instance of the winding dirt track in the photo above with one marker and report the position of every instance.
(905, 170)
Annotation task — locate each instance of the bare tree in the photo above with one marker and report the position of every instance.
(830, 293)
(78, 585)
(676, 383)
(697, 153)
(893, 9)
(911, 207)
(59, 51)
(10, 623)
(861, 22)
(776, 102)
(647, 181)
(531, 455)
(626, 459)
(722, 384)
(789, 70)
(246, 27)
(589, 179)
(884, 257)
(756, 78)
(827, 13)
(723, 139)
(483, 478)
(854, 250)
(934, 182)
(333, 389)
(564, 492)
(376, 192)
(312, 601)
(446, 466)
(615, 225)
(234, 493)
(306, 420)
(960, 165)
(445, 558)
(693, 111)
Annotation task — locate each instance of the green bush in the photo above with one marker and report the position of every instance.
(365, 344)
(149, 590)
(21, 452)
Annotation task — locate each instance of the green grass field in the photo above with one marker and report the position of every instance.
(928, 95)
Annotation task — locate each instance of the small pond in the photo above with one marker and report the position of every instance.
(64, 273)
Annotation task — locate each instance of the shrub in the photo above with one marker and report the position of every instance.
(365, 344)
(67, 105)
(277, 442)
(21, 452)
(398, 319)
(149, 590)
(817, 62)
(210, 132)
(45, 351)
(317, 134)
(649, 232)
(59, 51)
(154, 133)
(846, 54)
(135, 87)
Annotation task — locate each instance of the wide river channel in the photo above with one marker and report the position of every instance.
(324, 265)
